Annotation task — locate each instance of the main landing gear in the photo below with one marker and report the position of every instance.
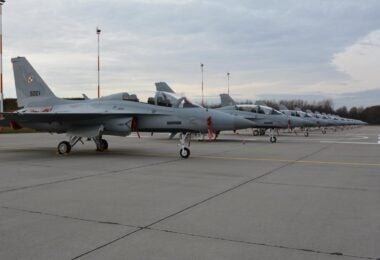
(184, 142)
(101, 144)
(258, 132)
(65, 147)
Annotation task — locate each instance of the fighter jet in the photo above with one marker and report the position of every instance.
(263, 116)
(118, 114)
(296, 119)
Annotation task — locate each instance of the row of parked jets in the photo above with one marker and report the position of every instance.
(121, 114)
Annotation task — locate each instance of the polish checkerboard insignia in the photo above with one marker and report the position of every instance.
(30, 79)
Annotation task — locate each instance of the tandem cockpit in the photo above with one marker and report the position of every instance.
(167, 99)
(161, 99)
(258, 109)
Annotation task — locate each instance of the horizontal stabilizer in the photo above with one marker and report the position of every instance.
(4, 122)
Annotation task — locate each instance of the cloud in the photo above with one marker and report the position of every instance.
(360, 62)
(268, 46)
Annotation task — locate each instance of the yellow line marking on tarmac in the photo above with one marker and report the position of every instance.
(288, 161)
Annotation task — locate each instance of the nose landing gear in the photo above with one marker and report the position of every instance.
(272, 138)
(184, 140)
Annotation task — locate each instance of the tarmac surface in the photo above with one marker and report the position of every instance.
(240, 197)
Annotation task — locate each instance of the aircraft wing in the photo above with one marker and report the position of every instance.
(67, 117)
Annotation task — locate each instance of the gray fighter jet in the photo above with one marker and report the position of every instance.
(118, 114)
(263, 116)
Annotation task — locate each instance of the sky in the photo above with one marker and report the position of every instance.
(272, 48)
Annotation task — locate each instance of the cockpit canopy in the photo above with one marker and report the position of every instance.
(258, 109)
(171, 100)
(122, 96)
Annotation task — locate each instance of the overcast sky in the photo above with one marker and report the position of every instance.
(279, 47)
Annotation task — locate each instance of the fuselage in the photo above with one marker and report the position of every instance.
(261, 116)
(118, 116)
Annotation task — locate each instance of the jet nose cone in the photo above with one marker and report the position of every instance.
(242, 123)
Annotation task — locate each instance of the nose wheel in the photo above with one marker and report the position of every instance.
(272, 138)
(184, 140)
(184, 152)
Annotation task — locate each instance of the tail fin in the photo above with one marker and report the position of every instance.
(163, 86)
(30, 88)
(226, 100)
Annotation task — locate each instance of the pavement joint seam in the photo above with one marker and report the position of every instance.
(261, 244)
(204, 200)
(88, 176)
(317, 186)
(148, 227)
(68, 217)
(106, 244)
(139, 228)
(238, 186)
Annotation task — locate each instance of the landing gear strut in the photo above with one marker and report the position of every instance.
(306, 132)
(272, 138)
(65, 147)
(184, 140)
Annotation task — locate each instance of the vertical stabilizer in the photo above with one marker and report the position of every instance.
(163, 86)
(226, 100)
(30, 88)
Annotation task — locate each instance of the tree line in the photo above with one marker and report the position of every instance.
(370, 114)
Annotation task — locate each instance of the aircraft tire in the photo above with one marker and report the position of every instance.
(184, 153)
(256, 132)
(103, 145)
(306, 134)
(273, 139)
(64, 147)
